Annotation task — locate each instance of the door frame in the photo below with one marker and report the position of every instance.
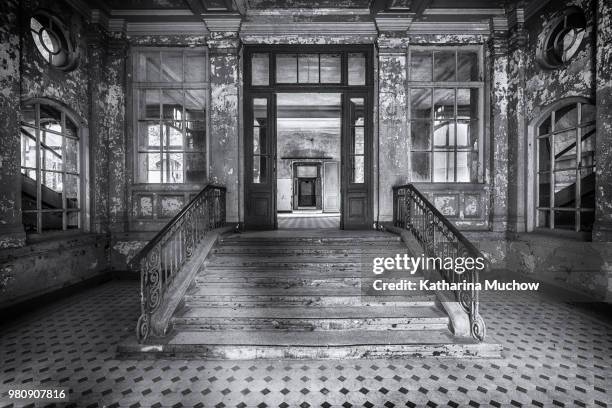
(347, 91)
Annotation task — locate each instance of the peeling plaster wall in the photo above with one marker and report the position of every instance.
(11, 230)
(224, 114)
(44, 267)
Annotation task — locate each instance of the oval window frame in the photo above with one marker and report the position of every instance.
(553, 52)
(57, 49)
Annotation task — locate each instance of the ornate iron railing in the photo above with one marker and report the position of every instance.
(164, 256)
(440, 238)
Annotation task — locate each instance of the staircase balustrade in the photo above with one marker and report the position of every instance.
(440, 238)
(161, 260)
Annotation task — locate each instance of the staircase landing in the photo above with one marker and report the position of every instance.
(297, 294)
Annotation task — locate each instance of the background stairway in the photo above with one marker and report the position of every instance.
(297, 294)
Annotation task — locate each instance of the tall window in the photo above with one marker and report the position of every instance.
(566, 168)
(50, 168)
(445, 96)
(170, 88)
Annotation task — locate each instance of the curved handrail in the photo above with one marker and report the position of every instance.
(439, 237)
(163, 258)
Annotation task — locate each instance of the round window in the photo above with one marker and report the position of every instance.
(52, 41)
(563, 39)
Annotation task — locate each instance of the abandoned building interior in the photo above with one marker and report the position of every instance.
(228, 167)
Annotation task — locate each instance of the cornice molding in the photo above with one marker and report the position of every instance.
(464, 11)
(353, 28)
(393, 22)
(308, 12)
(166, 28)
(222, 22)
(150, 13)
(457, 28)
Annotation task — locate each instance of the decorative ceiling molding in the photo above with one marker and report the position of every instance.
(151, 12)
(464, 11)
(458, 28)
(499, 23)
(393, 22)
(222, 22)
(309, 12)
(332, 28)
(166, 28)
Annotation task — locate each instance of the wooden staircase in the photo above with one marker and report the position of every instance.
(298, 294)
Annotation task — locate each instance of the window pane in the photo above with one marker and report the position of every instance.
(544, 128)
(51, 151)
(72, 191)
(52, 180)
(420, 166)
(357, 111)
(444, 166)
(260, 69)
(467, 133)
(565, 188)
(544, 154)
(444, 133)
(149, 165)
(565, 150)
(173, 168)
(149, 134)
(50, 119)
(195, 167)
(358, 169)
(308, 67)
(259, 169)
(173, 136)
(257, 148)
(72, 155)
(28, 115)
(195, 136)
(52, 221)
(587, 188)
(28, 147)
(356, 69)
(286, 69)
(444, 103)
(421, 66)
(466, 166)
(444, 66)
(467, 66)
(195, 68)
(565, 220)
(566, 117)
(420, 103)
(420, 132)
(588, 146)
(330, 68)
(195, 104)
(544, 190)
(172, 105)
(148, 67)
(172, 66)
(358, 140)
(467, 103)
(149, 108)
(72, 220)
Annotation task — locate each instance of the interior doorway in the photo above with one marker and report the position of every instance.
(308, 137)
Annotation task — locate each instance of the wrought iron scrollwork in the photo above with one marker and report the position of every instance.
(439, 238)
(164, 256)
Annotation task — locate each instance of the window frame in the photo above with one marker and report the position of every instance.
(455, 85)
(138, 88)
(81, 136)
(577, 209)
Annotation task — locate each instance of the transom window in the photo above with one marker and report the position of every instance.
(566, 168)
(50, 169)
(171, 95)
(445, 96)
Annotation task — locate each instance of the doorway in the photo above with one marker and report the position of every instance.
(308, 136)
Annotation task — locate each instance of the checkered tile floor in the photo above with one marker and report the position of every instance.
(332, 222)
(554, 356)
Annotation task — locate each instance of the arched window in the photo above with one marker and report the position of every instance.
(566, 167)
(50, 168)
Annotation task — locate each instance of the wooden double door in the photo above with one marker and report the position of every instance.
(261, 162)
